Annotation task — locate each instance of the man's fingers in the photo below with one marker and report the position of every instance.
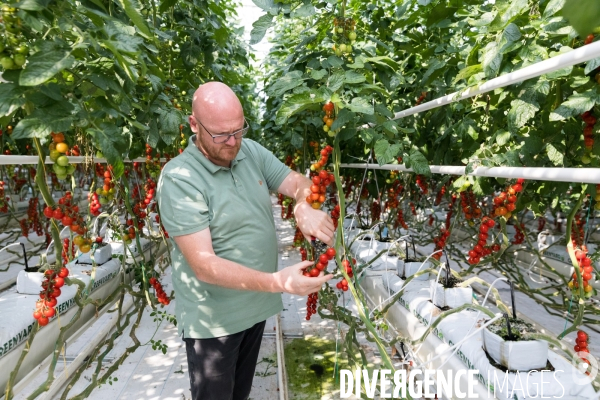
(304, 264)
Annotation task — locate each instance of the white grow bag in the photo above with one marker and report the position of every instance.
(101, 255)
(452, 297)
(412, 267)
(523, 355)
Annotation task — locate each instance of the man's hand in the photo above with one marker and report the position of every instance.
(313, 222)
(291, 280)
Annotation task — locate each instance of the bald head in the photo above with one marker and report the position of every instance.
(214, 99)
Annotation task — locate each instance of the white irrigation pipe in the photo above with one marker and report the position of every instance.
(576, 175)
(582, 54)
(33, 160)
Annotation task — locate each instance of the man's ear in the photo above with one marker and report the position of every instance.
(193, 124)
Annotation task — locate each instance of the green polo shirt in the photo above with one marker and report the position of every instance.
(194, 194)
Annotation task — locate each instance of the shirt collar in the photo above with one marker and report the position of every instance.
(206, 163)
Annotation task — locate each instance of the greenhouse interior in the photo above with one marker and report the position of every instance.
(399, 199)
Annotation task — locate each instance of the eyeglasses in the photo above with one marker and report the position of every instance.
(219, 139)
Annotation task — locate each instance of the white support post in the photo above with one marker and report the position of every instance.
(573, 175)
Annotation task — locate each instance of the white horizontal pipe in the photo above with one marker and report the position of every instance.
(575, 175)
(33, 160)
(582, 54)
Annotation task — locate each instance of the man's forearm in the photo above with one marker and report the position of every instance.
(221, 272)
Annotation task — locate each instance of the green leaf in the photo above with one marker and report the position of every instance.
(555, 155)
(419, 163)
(468, 72)
(166, 4)
(297, 140)
(434, 66)
(110, 139)
(42, 66)
(285, 83)
(384, 61)
(151, 136)
(346, 134)
(336, 80)
(354, 77)
(510, 35)
(169, 121)
(575, 105)
(318, 74)
(133, 10)
(265, 5)
(305, 10)
(296, 103)
(33, 5)
(491, 60)
(361, 105)
(553, 7)
(502, 137)
(343, 117)
(520, 113)
(515, 9)
(260, 27)
(11, 98)
(42, 121)
(386, 152)
(391, 127)
(335, 61)
(583, 15)
(592, 65)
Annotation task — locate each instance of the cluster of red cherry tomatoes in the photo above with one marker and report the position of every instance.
(319, 189)
(343, 284)
(161, 296)
(3, 199)
(44, 308)
(584, 263)
(588, 135)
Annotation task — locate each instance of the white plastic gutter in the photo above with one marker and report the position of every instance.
(582, 54)
(573, 175)
(33, 160)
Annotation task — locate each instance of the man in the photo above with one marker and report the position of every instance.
(215, 204)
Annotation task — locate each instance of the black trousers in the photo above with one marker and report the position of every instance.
(223, 368)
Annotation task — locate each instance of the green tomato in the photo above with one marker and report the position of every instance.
(99, 191)
(103, 200)
(338, 52)
(183, 93)
(586, 159)
(349, 49)
(12, 28)
(352, 35)
(342, 48)
(58, 170)
(325, 128)
(70, 169)
(340, 30)
(331, 133)
(54, 154)
(7, 63)
(183, 143)
(99, 154)
(63, 161)
(22, 49)
(61, 177)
